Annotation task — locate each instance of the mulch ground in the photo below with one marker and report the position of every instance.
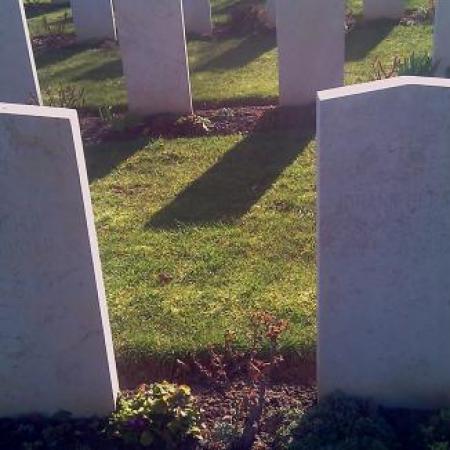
(205, 122)
(53, 42)
(222, 411)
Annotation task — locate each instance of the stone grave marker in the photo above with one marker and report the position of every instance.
(384, 241)
(197, 17)
(441, 51)
(311, 46)
(55, 341)
(271, 11)
(154, 56)
(384, 9)
(18, 78)
(93, 20)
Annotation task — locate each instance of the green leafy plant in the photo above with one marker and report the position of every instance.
(65, 96)
(416, 65)
(160, 416)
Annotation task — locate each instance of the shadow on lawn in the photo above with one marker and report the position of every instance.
(228, 190)
(51, 57)
(249, 49)
(365, 37)
(226, 7)
(101, 159)
(109, 70)
(39, 9)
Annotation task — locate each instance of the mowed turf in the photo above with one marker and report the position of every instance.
(195, 234)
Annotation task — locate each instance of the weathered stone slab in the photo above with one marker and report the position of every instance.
(384, 241)
(154, 56)
(271, 10)
(18, 78)
(93, 19)
(441, 53)
(311, 46)
(55, 342)
(197, 16)
(384, 9)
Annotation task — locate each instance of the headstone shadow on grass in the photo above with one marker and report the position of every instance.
(39, 9)
(111, 69)
(362, 39)
(57, 56)
(228, 190)
(249, 49)
(102, 159)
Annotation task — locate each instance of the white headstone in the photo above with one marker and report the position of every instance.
(311, 46)
(154, 56)
(55, 342)
(197, 16)
(384, 9)
(271, 11)
(384, 242)
(18, 78)
(441, 53)
(93, 19)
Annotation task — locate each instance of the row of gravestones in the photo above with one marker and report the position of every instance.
(383, 252)
(373, 9)
(310, 34)
(95, 19)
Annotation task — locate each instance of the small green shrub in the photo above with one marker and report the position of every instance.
(343, 423)
(65, 96)
(159, 416)
(413, 65)
(416, 65)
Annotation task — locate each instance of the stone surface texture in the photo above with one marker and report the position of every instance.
(154, 56)
(384, 9)
(441, 52)
(197, 16)
(311, 46)
(55, 342)
(271, 10)
(18, 78)
(93, 19)
(384, 241)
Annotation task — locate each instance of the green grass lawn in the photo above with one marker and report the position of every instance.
(231, 220)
